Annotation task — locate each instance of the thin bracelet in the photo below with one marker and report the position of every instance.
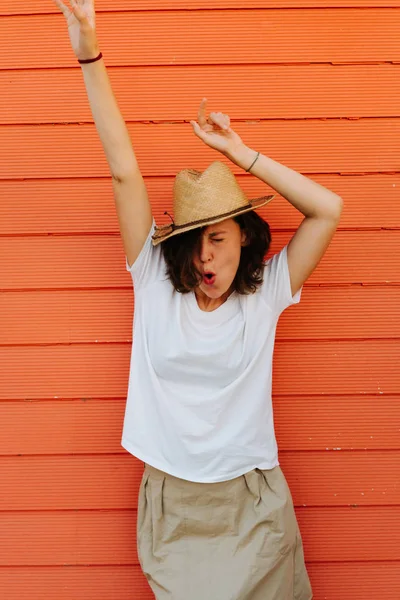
(247, 170)
(90, 60)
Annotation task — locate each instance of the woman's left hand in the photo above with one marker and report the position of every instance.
(216, 131)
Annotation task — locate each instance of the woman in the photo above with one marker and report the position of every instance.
(215, 514)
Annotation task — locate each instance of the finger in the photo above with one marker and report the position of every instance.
(198, 130)
(196, 126)
(87, 3)
(87, 7)
(64, 9)
(78, 11)
(201, 115)
(222, 121)
(226, 121)
(218, 119)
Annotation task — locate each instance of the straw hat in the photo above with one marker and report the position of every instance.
(205, 198)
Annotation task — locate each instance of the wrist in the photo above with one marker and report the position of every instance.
(90, 55)
(242, 156)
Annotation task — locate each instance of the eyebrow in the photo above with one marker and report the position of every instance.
(217, 232)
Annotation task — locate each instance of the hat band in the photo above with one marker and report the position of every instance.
(174, 227)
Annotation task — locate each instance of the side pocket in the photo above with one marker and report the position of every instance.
(284, 526)
(144, 527)
(142, 504)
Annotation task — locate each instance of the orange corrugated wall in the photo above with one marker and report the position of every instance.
(316, 86)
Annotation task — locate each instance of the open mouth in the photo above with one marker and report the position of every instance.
(209, 278)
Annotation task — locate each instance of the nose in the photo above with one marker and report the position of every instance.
(205, 250)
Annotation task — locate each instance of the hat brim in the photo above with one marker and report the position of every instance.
(166, 231)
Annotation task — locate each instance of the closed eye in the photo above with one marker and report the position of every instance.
(219, 240)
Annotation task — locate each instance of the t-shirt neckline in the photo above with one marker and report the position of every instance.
(222, 313)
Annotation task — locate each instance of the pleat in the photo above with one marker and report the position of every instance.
(252, 480)
(156, 515)
(157, 486)
(268, 476)
(142, 505)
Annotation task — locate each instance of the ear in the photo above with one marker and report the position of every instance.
(243, 239)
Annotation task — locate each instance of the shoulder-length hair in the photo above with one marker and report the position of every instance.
(179, 250)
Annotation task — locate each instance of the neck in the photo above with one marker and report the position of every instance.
(209, 304)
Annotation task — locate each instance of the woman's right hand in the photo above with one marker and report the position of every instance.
(81, 27)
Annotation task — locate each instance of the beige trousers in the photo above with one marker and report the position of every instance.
(231, 540)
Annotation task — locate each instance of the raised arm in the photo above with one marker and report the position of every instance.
(131, 198)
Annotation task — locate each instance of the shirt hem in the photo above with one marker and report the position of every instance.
(176, 473)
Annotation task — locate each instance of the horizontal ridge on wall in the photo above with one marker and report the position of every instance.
(344, 580)
(19, 7)
(103, 316)
(172, 94)
(196, 37)
(318, 146)
(68, 206)
(362, 423)
(88, 262)
(316, 479)
(76, 537)
(101, 370)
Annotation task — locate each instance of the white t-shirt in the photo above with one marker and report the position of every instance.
(199, 397)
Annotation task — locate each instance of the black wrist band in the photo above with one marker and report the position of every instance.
(90, 60)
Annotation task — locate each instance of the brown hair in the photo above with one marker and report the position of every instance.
(178, 251)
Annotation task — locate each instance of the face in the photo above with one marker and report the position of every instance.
(220, 248)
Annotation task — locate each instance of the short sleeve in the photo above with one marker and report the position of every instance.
(149, 265)
(276, 288)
